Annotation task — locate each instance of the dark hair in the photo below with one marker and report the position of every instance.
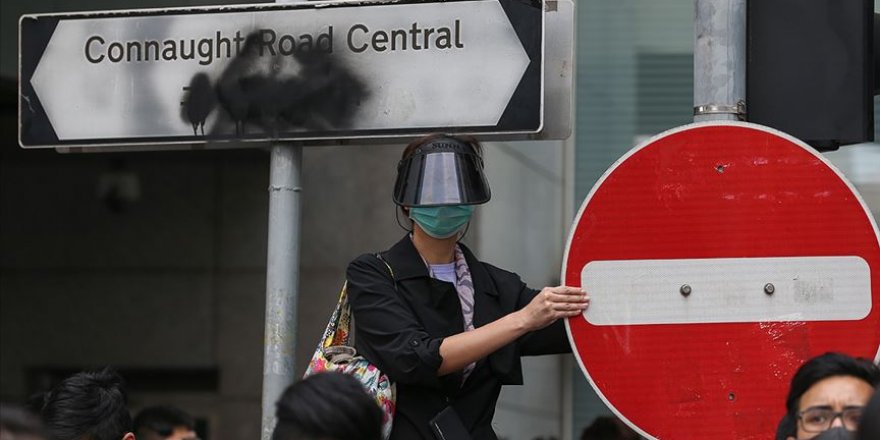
(787, 427)
(18, 421)
(88, 405)
(160, 421)
(327, 406)
(869, 426)
(819, 368)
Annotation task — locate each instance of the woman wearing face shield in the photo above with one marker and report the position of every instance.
(447, 328)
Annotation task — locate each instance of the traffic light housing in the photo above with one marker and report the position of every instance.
(810, 69)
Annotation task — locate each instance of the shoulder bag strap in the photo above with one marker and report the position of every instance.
(339, 327)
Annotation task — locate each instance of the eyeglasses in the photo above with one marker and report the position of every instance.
(818, 419)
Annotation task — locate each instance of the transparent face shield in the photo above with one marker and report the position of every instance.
(442, 172)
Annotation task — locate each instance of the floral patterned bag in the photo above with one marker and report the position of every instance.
(336, 352)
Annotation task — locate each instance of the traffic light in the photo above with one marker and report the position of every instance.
(810, 69)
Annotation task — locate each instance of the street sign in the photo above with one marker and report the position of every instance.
(719, 257)
(305, 71)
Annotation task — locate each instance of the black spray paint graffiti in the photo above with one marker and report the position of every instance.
(308, 90)
(199, 102)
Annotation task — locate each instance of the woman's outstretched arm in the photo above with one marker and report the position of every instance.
(546, 307)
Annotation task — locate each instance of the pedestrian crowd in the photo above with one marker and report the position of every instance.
(832, 396)
(93, 405)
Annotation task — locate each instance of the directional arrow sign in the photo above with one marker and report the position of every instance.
(313, 71)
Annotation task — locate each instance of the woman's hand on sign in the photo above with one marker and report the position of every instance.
(553, 303)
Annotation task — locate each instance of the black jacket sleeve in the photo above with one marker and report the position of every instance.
(549, 340)
(386, 331)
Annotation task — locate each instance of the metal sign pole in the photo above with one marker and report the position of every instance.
(719, 60)
(282, 277)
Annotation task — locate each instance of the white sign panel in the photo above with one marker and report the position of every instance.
(313, 71)
(778, 289)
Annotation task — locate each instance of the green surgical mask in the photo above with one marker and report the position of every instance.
(441, 221)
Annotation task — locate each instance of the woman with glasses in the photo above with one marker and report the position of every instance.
(827, 397)
(447, 328)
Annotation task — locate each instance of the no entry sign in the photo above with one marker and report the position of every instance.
(719, 257)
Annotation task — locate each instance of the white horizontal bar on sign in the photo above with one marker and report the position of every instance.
(716, 290)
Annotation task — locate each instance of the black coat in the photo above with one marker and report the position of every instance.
(399, 327)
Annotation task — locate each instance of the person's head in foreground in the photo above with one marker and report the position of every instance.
(327, 406)
(827, 397)
(90, 405)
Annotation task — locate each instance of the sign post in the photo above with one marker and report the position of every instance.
(719, 257)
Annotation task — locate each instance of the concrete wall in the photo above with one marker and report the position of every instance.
(524, 229)
(176, 280)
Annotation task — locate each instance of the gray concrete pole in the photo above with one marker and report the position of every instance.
(282, 277)
(719, 60)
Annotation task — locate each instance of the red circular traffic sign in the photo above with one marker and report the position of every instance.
(719, 257)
